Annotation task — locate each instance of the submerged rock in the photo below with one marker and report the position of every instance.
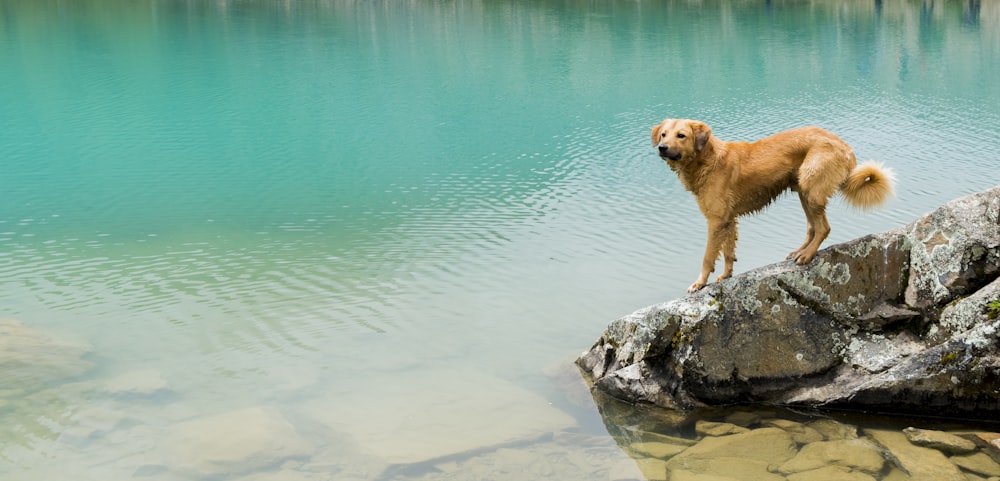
(785, 445)
(236, 442)
(992, 442)
(944, 442)
(436, 414)
(979, 463)
(31, 359)
(901, 321)
(708, 428)
(856, 454)
(136, 383)
(767, 445)
(917, 461)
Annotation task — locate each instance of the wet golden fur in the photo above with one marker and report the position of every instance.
(732, 179)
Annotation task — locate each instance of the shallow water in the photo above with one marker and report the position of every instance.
(350, 211)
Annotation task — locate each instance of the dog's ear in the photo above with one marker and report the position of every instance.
(656, 133)
(702, 132)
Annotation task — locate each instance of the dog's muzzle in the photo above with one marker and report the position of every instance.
(666, 153)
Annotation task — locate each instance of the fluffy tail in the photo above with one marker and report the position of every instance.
(868, 185)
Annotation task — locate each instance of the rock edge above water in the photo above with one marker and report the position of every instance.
(903, 321)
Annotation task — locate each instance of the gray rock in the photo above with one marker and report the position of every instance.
(954, 250)
(895, 321)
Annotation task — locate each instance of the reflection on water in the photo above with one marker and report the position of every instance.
(364, 223)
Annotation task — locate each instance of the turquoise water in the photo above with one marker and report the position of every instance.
(292, 204)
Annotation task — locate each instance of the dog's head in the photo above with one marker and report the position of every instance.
(680, 140)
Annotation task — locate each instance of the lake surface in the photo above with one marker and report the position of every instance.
(392, 225)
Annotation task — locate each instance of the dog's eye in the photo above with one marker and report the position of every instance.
(663, 134)
(681, 136)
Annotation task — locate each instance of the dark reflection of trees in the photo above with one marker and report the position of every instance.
(970, 13)
(930, 33)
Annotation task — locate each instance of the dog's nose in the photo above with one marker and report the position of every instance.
(663, 149)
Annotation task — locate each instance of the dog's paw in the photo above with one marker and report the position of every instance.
(695, 287)
(802, 257)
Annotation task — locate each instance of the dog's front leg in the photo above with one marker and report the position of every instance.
(729, 234)
(716, 232)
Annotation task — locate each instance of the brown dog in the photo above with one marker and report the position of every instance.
(731, 179)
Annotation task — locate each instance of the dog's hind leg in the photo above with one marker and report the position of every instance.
(822, 172)
(819, 230)
(810, 230)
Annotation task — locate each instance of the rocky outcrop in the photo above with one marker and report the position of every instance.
(902, 321)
